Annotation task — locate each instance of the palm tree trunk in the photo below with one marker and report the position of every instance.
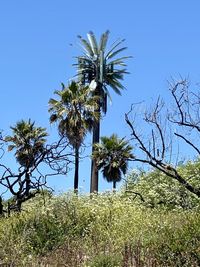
(94, 169)
(114, 185)
(95, 139)
(76, 173)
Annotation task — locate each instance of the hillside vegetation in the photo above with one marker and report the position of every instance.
(108, 230)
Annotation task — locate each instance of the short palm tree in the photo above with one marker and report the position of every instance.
(28, 142)
(112, 156)
(99, 68)
(74, 112)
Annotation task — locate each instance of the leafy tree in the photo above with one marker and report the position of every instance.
(74, 112)
(100, 69)
(112, 156)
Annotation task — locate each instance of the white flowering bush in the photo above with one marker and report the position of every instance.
(99, 230)
(159, 190)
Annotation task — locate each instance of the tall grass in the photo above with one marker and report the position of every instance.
(105, 230)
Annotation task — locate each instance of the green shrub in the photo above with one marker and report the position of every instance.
(109, 229)
(159, 190)
(105, 261)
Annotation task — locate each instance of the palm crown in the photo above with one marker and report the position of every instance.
(74, 110)
(28, 141)
(100, 68)
(112, 156)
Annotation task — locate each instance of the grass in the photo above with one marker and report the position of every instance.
(105, 230)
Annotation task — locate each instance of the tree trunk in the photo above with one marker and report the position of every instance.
(114, 185)
(94, 170)
(96, 137)
(18, 205)
(76, 173)
(28, 183)
(1, 206)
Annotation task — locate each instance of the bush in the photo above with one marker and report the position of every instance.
(158, 189)
(105, 261)
(103, 230)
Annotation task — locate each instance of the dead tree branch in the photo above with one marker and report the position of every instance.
(30, 179)
(154, 147)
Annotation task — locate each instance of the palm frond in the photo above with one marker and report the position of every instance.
(115, 85)
(53, 118)
(53, 102)
(86, 46)
(119, 60)
(114, 46)
(11, 147)
(114, 53)
(103, 41)
(93, 42)
(84, 59)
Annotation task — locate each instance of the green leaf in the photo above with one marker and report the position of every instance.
(112, 54)
(114, 46)
(93, 42)
(119, 60)
(11, 147)
(87, 46)
(103, 41)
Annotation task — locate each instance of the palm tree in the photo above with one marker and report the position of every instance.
(112, 156)
(74, 111)
(28, 142)
(99, 69)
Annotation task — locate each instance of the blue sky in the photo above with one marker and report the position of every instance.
(36, 56)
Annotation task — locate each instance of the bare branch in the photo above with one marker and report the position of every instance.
(30, 179)
(186, 115)
(188, 142)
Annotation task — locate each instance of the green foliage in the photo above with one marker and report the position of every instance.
(28, 141)
(112, 156)
(74, 110)
(99, 67)
(158, 189)
(106, 261)
(102, 230)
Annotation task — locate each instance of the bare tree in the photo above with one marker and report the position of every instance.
(164, 127)
(52, 161)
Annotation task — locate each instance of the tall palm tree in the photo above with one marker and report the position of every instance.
(74, 112)
(99, 68)
(112, 156)
(28, 142)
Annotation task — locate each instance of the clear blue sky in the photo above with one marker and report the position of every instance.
(35, 55)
